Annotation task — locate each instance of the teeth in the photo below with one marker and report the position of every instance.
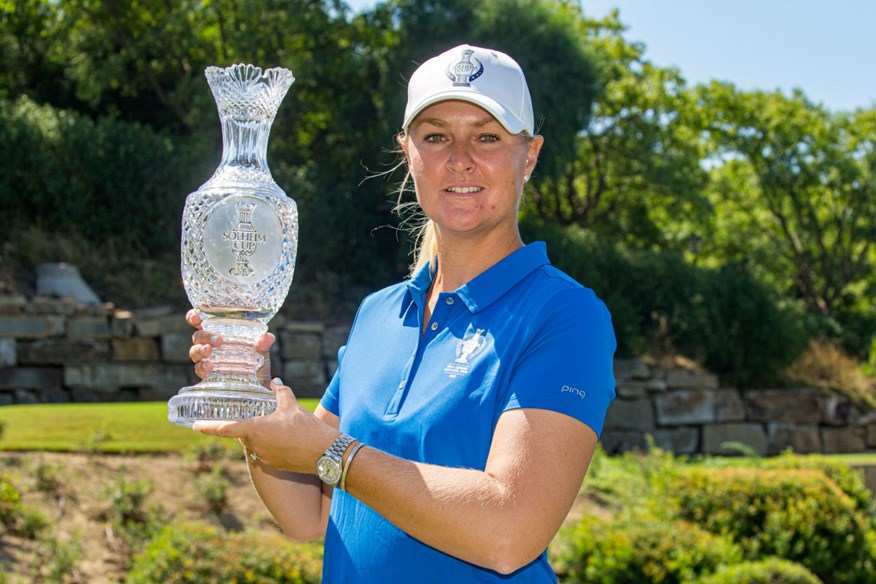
(464, 189)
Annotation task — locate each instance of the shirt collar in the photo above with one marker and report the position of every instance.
(492, 284)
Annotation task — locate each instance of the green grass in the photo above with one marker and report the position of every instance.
(140, 427)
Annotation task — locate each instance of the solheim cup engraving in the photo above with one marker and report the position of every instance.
(239, 243)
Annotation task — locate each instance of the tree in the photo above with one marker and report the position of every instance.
(796, 192)
(635, 176)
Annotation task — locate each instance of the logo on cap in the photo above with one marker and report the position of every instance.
(464, 71)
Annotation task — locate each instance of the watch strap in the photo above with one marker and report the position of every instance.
(339, 446)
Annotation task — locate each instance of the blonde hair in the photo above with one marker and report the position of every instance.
(414, 221)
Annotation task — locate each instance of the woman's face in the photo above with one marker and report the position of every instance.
(467, 169)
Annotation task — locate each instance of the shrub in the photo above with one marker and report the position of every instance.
(639, 550)
(826, 365)
(799, 515)
(213, 486)
(845, 477)
(208, 453)
(31, 523)
(69, 173)
(768, 571)
(17, 517)
(57, 560)
(136, 523)
(47, 477)
(194, 553)
(105, 195)
(10, 502)
(127, 499)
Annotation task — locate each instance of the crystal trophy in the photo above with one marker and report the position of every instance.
(239, 240)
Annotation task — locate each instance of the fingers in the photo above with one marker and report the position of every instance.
(203, 368)
(283, 393)
(200, 352)
(264, 343)
(193, 318)
(202, 337)
(220, 428)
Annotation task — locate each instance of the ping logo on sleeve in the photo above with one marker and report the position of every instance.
(573, 391)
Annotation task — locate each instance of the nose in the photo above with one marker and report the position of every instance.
(460, 159)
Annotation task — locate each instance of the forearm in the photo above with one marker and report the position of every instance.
(296, 500)
(466, 513)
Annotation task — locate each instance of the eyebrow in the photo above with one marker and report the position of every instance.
(443, 124)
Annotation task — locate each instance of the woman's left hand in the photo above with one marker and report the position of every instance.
(290, 438)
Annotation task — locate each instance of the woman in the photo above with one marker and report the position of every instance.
(469, 399)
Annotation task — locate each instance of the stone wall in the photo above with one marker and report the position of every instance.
(54, 351)
(689, 412)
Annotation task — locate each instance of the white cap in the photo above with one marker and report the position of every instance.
(484, 77)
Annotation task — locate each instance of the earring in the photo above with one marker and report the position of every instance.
(525, 178)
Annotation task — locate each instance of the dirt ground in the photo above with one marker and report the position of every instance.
(81, 509)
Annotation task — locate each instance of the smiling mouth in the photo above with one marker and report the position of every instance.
(463, 190)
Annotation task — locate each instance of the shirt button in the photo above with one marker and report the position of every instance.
(449, 301)
(434, 326)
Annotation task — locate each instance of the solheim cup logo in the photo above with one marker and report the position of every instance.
(466, 349)
(244, 240)
(465, 70)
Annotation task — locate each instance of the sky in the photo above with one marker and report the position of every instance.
(827, 48)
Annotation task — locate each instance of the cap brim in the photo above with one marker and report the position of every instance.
(508, 120)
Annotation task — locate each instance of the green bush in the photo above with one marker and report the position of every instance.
(10, 502)
(127, 500)
(17, 517)
(723, 318)
(47, 477)
(845, 477)
(799, 515)
(101, 179)
(213, 487)
(104, 195)
(639, 551)
(31, 523)
(56, 560)
(194, 553)
(768, 571)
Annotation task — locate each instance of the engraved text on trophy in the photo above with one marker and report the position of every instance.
(244, 240)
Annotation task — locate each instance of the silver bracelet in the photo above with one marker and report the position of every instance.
(343, 482)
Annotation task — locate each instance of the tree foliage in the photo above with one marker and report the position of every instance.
(796, 190)
(635, 176)
(111, 100)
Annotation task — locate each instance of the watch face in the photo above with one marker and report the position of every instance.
(329, 470)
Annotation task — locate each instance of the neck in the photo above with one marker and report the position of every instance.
(461, 261)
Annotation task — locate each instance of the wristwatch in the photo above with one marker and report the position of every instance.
(328, 467)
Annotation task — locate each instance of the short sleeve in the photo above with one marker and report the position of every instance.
(568, 366)
(330, 399)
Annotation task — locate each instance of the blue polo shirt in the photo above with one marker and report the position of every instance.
(521, 335)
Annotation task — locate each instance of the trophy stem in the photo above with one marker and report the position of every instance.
(231, 391)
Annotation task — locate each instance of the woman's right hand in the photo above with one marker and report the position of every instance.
(203, 343)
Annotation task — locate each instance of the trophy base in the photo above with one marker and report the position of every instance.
(191, 405)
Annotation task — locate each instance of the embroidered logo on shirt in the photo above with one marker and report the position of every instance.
(466, 349)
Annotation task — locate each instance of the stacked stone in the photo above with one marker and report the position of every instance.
(688, 412)
(55, 350)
